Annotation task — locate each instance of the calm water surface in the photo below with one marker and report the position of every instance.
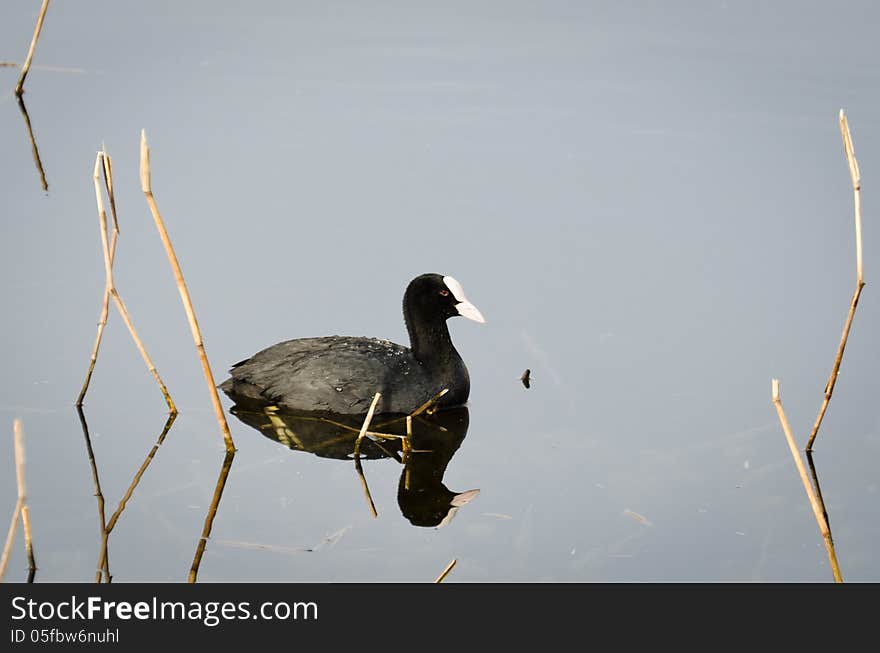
(649, 203)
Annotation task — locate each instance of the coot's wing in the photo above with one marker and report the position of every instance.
(334, 374)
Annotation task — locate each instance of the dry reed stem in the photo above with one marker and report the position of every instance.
(110, 288)
(259, 546)
(10, 538)
(446, 571)
(856, 179)
(808, 488)
(146, 186)
(365, 425)
(860, 281)
(357, 453)
(105, 306)
(406, 443)
(406, 446)
(19, 88)
(21, 509)
(108, 184)
(430, 403)
(209, 518)
(34, 150)
(22, 493)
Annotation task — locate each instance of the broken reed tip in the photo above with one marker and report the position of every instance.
(145, 163)
(17, 429)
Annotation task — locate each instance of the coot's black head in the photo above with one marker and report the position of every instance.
(436, 298)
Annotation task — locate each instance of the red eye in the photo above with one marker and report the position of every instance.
(444, 293)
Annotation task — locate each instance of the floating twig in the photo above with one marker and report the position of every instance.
(446, 571)
(258, 546)
(808, 488)
(860, 281)
(19, 88)
(209, 518)
(36, 152)
(147, 188)
(102, 164)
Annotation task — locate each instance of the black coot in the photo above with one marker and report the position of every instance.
(341, 374)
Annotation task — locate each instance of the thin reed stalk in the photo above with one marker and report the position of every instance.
(146, 186)
(103, 164)
(357, 453)
(446, 571)
(10, 538)
(105, 305)
(818, 511)
(860, 281)
(406, 446)
(19, 87)
(20, 512)
(22, 494)
(366, 425)
(209, 518)
(429, 405)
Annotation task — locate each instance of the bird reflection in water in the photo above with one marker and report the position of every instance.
(421, 495)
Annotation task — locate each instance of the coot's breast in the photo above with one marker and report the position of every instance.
(334, 374)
